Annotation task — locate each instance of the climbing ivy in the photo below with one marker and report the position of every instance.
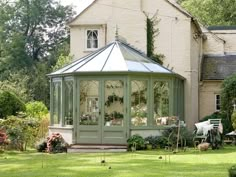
(152, 32)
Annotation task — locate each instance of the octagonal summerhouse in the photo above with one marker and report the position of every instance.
(113, 93)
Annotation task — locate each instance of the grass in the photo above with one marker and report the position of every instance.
(153, 163)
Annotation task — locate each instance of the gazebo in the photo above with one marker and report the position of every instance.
(113, 93)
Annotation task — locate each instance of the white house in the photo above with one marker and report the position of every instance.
(204, 57)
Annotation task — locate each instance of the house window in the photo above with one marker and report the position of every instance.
(217, 102)
(92, 39)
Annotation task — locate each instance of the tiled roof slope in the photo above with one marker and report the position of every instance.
(218, 67)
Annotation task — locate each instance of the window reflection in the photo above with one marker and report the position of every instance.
(92, 39)
(161, 103)
(69, 102)
(139, 103)
(56, 89)
(89, 103)
(114, 103)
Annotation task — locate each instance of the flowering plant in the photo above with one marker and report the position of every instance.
(139, 111)
(56, 143)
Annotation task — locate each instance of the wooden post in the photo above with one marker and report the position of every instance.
(177, 144)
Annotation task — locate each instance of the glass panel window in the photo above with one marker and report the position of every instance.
(89, 102)
(92, 39)
(139, 103)
(217, 102)
(69, 102)
(56, 102)
(114, 103)
(161, 103)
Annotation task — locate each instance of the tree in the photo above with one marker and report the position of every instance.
(62, 61)
(212, 12)
(32, 35)
(233, 119)
(228, 94)
(10, 104)
(17, 83)
(38, 26)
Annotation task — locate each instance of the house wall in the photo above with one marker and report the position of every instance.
(109, 16)
(230, 37)
(213, 45)
(208, 90)
(175, 41)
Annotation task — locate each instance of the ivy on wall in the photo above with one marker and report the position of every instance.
(152, 32)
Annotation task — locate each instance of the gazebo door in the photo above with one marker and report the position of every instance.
(89, 128)
(101, 112)
(114, 124)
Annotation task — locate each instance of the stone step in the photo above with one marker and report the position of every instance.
(76, 148)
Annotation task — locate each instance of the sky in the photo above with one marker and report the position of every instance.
(79, 4)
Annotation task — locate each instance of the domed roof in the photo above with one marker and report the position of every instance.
(117, 56)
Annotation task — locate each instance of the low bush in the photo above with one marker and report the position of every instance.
(136, 140)
(42, 147)
(232, 171)
(23, 132)
(153, 140)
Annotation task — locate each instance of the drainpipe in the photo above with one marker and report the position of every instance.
(200, 71)
(141, 5)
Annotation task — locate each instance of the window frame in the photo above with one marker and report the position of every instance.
(217, 104)
(86, 39)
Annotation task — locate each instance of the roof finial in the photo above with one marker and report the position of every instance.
(117, 34)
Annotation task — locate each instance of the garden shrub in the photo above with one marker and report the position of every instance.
(21, 132)
(153, 140)
(138, 140)
(185, 137)
(163, 141)
(10, 104)
(233, 119)
(42, 147)
(36, 109)
(232, 171)
(56, 143)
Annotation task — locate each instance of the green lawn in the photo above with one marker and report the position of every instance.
(139, 164)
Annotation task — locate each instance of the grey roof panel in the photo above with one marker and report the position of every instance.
(218, 67)
(114, 57)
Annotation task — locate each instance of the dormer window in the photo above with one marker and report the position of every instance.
(92, 39)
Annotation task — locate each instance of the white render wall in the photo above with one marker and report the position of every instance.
(230, 40)
(208, 90)
(131, 24)
(213, 44)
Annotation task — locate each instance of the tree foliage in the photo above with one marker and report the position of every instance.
(32, 36)
(233, 119)
(17, 83)
(36, 110)
(228, 94)
(62, 61)
(152, 32)
(212, 12)
(10, 104)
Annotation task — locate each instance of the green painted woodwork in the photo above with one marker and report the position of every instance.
(102, 113)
